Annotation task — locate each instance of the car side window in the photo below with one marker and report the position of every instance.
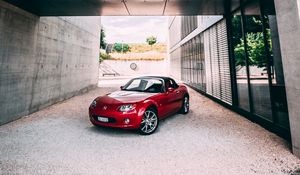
(167, 84)
(173, 84)
(154, 86)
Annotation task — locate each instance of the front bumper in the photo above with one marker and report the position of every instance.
(116, 118)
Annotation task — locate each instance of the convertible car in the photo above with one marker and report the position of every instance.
(140, 104)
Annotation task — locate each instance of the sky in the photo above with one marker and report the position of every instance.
(134, 29)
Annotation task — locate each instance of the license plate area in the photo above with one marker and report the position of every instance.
(103, 119)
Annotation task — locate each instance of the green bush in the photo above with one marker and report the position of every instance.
(121, 47)
(104, 56)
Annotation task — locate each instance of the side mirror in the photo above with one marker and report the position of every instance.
(121, 87)
(170, 89)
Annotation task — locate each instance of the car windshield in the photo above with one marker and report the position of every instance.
(144, 85)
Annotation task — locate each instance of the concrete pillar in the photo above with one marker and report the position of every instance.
(289, 36)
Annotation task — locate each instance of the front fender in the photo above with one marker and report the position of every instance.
(145, 104)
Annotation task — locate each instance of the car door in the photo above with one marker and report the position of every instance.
(174, 97)
(162, 102)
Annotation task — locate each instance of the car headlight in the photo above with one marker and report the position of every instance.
(94, 104)
(125, 108)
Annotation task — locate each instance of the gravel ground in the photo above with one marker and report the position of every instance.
(209, 140)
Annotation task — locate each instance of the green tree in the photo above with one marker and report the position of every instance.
(151, 40)
(102, 39)
(256, 50)
(255, 45)
(253, 25)
(121, 47)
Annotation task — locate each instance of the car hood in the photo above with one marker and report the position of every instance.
(121, 97)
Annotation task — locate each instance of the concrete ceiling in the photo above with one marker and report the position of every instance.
(122, 7)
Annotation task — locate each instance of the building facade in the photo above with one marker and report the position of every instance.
(236, 60)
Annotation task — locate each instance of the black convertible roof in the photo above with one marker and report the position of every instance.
(164, 78)
(160, 77)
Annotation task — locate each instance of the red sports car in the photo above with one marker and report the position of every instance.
(140, 104)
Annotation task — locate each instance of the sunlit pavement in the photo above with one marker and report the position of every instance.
(209, 140)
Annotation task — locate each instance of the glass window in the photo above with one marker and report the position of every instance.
(197, 66)
(202, 63)
(257, 61)
(240, 62)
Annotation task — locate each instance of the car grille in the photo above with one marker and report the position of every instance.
(110, 119)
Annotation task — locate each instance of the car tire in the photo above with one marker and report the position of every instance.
(149, 122)
(185, 107)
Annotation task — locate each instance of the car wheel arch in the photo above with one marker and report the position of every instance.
(147, 105)
(154, 107)
(186, 95)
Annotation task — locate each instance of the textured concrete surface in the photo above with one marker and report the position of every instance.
(122, 8)
(289, 36)
(209, 140)
(144, 67)
(44, 59)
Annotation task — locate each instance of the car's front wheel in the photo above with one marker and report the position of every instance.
(149, 122)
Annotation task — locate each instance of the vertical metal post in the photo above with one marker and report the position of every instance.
(228, 17)
(246, 55)
(269, 57)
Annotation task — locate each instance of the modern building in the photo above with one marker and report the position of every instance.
(241, 60)
(247, 58)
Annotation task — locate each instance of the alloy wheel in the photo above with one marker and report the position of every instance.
(186, 104)
(149, 122)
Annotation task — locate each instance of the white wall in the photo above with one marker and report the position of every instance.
(143, 67)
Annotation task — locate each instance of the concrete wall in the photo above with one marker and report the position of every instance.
(174, 56)
(174, 25)
(289, 35)
(175, 64)
(143, 67)
(44, 60)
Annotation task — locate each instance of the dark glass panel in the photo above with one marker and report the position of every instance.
(202, 62)
(257, 61)
(240, 62)
(278, 87)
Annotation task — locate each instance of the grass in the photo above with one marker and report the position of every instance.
(142, 51)
(143, 47)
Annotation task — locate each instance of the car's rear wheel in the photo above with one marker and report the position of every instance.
(185, 108)
(149, 122)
